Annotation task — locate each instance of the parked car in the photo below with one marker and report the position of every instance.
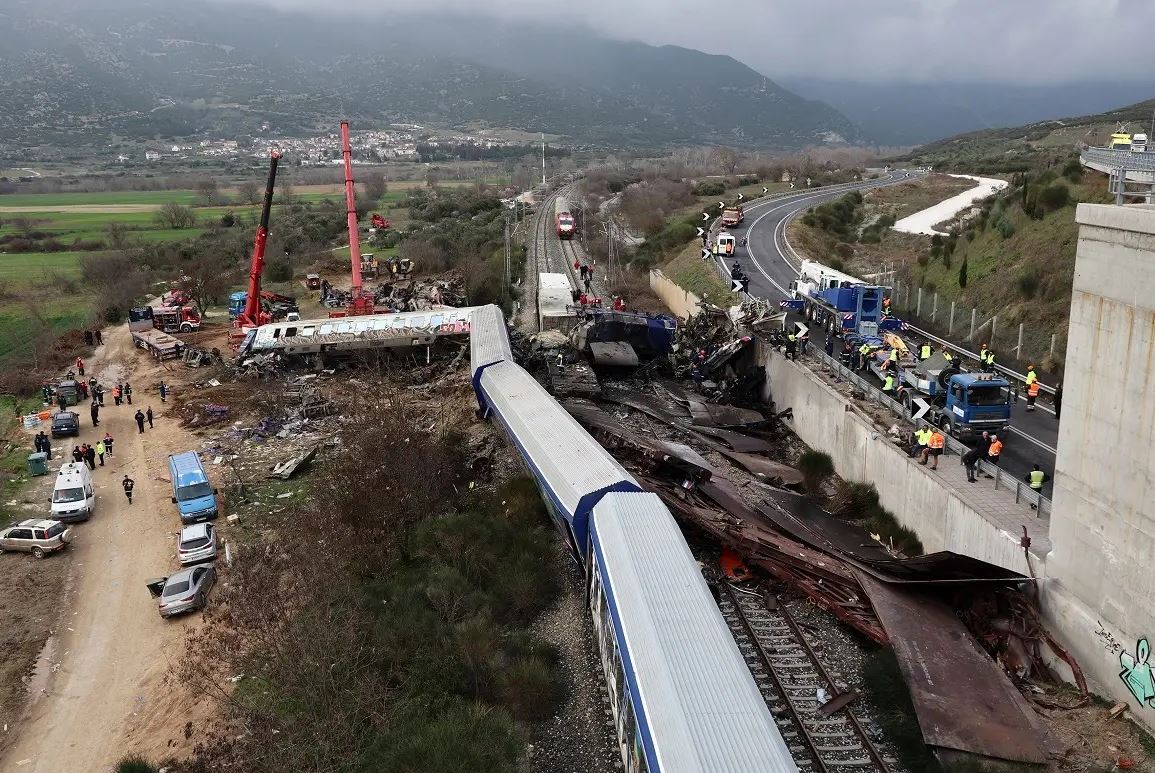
(38, 537)
(65, 424)
(193, 495)
(197, 543)
(184, 591)
(73, 496)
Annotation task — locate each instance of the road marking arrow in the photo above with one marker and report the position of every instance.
(802, 329)
(791, 186)
(765, 190)
(740, 285)
(740, 197)
(705, 254)
(923, 407)
(705, 216)
(701, 231)
(721, 205)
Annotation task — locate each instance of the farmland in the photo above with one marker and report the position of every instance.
(45, 236)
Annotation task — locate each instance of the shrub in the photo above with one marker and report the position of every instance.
(924, 260)
(1073, 171)
(279, 271)
(1028, 284)
(1055, 196)
(709, 188)
(962, 274)
(815, 467)
(1005, 228)
(135, 764)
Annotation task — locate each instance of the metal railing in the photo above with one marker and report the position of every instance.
(1022, 491)
(1132, 161)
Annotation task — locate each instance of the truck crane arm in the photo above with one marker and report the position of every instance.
(251, 316)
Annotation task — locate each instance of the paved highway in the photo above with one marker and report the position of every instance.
(1033, 435)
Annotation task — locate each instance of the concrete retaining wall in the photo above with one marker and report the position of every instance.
(681, 302)
(826, 421)
(1101, 598)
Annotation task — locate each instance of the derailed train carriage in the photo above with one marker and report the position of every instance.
(682, 696)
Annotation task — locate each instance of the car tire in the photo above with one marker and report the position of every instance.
(186, 328)
(38, 552)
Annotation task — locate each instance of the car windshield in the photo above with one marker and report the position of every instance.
(66, 495)
(193, 544)
(992, 395)
(176, 588)
(62, 421)
(55, 529)
(194, 491)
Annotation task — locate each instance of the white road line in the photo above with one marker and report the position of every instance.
(1039, 443)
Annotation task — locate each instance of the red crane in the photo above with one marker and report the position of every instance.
(360, 302)
(253, 316)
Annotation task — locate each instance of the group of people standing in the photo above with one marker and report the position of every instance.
(90, 454)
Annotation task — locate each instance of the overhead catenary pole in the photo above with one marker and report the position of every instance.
(543, 159)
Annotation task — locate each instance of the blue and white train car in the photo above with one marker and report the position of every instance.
(572, 470)
(681, 693)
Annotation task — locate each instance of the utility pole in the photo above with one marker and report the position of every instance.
(543, 159)
(505, 283)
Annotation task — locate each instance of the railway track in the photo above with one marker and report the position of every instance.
(789, 674)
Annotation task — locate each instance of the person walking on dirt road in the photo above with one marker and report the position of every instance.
(116, 394)
(163, 392)
(94, 412)
(148, 415)
(108, 445)
(127, 484)
(139, 416)
(98, 336)
(80, 366)
(100, 450)
(90, 457)
(128, 392)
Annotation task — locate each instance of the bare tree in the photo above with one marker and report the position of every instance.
(208, 192)
(725, 159)
(249, 192)
(117, 235)
(176, 216)
(206, 278)
(374, 188)
(117, 281)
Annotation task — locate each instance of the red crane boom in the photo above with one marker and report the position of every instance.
(359, 302)
(251, 316)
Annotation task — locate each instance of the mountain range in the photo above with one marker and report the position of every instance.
(78, 71)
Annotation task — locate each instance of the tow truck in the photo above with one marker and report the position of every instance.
(176, 319)
(960, 403)
(839, 302)
(732, 217)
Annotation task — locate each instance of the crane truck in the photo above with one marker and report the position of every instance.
(360, 301)
(839, 302)
(961, 404)
(252, 315)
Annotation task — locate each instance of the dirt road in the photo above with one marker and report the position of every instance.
(99, 691)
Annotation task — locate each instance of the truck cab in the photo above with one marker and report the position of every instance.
(962, 404)
(173, 319)
(732, 216)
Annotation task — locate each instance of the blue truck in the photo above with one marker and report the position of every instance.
(839, 303)
(962, 404)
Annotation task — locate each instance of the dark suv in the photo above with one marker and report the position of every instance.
(65, 424)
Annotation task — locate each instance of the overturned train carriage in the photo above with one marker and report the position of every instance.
(353, 334)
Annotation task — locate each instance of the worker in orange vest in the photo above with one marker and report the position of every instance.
(1032, 387)
(994, 449)
(933, 449)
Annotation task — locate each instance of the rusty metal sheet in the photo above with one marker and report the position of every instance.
(963, 698)
(797, 516)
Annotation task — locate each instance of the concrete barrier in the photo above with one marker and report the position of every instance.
(681, 302)
(828, 421)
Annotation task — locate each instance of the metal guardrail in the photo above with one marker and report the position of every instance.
(1132, 161)
(1023, 492)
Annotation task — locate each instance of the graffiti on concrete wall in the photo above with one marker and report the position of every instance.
(1108, 640)
(1136, 673)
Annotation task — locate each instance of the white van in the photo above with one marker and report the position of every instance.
(73, 496)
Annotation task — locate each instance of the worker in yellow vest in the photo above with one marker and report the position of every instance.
(934, 448)
(863, 354)
(1032, 387)
(983, 350)
(921, 440)
(925, 352)
(989, 362)
(1036, 477)
(949, 357)
(892, 360)
(888, 385)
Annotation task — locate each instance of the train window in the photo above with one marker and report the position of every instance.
(308, 331)
(276, 333)
(291, 332)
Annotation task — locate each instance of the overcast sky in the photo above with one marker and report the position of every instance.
(1006, 41)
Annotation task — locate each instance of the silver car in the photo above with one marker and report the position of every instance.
(38, 537)
(197, 543)
(184, 591)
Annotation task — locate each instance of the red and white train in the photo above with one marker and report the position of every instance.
(566, 225)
